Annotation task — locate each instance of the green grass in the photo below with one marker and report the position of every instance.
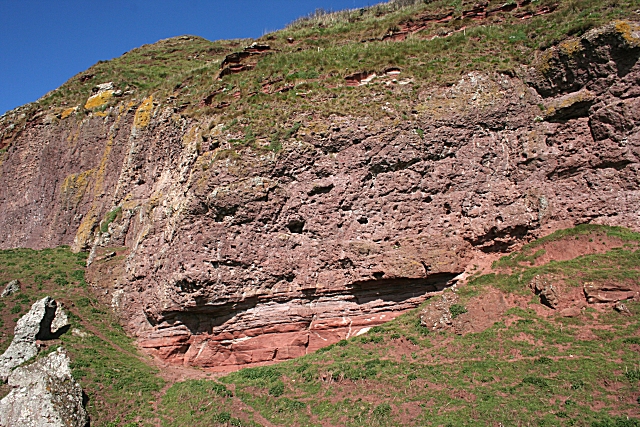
(118, 380)
(537, 370)
(529, 252)
(109, 218)
(181, 72)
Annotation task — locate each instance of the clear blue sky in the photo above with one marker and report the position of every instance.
(43, 43)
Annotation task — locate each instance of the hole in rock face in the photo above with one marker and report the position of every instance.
(363, 220)
(296, 226)
(378, 275)
(320, 189)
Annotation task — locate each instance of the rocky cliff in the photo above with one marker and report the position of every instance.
(216, 253)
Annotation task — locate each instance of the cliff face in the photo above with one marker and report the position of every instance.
(217, 255)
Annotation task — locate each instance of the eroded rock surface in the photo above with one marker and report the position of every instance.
(34, 325)
(247, 256)
(44, 394)
(545, 289)
(599, 293)
(11, 288)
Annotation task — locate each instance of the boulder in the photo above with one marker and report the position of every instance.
(547, 292)
(437, 316)
(60, 321)
(571, 312)
(598, 293)
(622, 308)
(11, 288)
(34, 325)
(44, 394)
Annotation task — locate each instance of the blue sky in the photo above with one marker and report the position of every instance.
(43, 43)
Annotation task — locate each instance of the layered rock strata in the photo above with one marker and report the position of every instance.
(233, 256)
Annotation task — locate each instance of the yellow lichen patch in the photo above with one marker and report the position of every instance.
(565, 102)
(74, 187)
(190, 136)
(85, 231)
(628, 34)
(143, 113)
(100, 114)
(98, 100)
(66, 113)
(570, 47)
(544, 62)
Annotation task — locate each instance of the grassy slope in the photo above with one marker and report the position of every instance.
(118, 380)
(397, 374)
(527, 369)
(183, 71)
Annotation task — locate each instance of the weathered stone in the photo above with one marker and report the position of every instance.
(103, 87)
(34, 325)
(571, 312)
(60, 321)
(622, 308)
(599, 293)
(11, 288)
(545, 289)
(436, 316)
(570, 106)
(354, 218)
(44, 394)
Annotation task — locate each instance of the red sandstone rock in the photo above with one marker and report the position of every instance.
(257, 257)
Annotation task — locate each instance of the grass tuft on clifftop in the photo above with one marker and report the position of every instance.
(302, 77)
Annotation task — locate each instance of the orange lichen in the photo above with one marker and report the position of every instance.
(544, 62)
(66, 113)
(567, 101)
(627, 33)
(98, 100)
(75, 185)
(85, 230)
(570, 47)
(90, 220)
(143, 113)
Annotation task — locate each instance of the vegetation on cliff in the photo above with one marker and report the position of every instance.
(303, 73)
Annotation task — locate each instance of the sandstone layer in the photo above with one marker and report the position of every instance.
(232, 256)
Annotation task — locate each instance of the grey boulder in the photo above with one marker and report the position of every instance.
(11, 288)
(35, 325)
(44, 394)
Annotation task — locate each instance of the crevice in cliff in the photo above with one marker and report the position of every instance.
(498, 240)
(362, 297)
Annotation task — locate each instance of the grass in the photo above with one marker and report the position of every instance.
(119, 382)
(534, 369)
(109, 218)
(182, 71)
(526, 369)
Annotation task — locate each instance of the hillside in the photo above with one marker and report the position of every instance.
(325, 196)
(505, 357)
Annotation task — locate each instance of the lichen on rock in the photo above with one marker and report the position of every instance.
(143, 114)
(44, 394)
(34, 325)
